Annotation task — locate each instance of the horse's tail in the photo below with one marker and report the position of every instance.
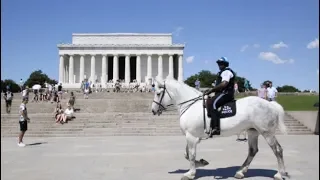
(281, 114)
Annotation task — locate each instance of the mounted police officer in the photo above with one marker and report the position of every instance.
(224, 93)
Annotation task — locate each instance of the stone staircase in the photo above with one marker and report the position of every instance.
(104, 114)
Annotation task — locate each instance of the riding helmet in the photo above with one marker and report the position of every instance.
(223, 60)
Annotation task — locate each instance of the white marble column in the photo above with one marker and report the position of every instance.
(104, 69)
(170, 75)
(66, 74)
(93, 68)
(149, 70)
(71, 70)
(81, 68)
(138, 69)
(115, 68)
(61, 69)
(127, 70)
(160, 67)
(180, 77)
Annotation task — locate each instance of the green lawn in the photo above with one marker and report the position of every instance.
(297, 102)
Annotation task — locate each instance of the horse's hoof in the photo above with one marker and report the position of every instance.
(239, 175)
(277, 176)
(203, 162)
(286, 174)
(185, 178)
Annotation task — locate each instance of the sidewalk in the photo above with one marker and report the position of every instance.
(150, 158)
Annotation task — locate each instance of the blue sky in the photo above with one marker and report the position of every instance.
(262, 39)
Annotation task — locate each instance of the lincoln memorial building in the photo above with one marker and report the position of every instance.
(129, 57)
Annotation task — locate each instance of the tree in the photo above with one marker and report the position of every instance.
(206, 79)
(38, 77)
(14, 87)
(240, 81)
(287, 88)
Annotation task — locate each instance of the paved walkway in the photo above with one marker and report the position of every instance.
(150, 158)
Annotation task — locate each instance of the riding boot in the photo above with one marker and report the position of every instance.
(215, 124)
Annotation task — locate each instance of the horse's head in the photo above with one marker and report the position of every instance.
(162, 98)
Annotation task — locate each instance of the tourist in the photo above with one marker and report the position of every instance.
(25, 93)
(86, 90)
(8, 96)
(49, 92)
(60, 91)
(246, 85)
(72, 100)
(262, 92)
(68, 113)
(236, 89)
(41, 95)
(82, 86)
(56, 97)
(271, 92)
(117, 86)
(197, 84)
(153, 88)
(23, 121)
(58, 114)
(36, 95)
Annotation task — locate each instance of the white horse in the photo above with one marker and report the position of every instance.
(254, 114)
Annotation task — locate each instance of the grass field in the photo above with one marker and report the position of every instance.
(297, 102)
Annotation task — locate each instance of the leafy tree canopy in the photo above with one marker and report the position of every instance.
(288, 88)
(14, 87)
(38, 77)
(206, 79)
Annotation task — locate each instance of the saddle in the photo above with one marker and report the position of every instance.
(226, 110)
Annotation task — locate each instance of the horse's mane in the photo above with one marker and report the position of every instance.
(180, 85)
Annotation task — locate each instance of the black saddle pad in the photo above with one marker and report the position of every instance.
(228, 110)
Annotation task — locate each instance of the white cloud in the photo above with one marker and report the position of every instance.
(270, 56)
(190, 59)
(177, 31)
(279, 45)
(256, 45)
(313, 44)
(243, 48)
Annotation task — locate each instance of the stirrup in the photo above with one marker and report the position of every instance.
(213, 132)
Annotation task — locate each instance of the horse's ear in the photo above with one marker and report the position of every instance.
(159, 82)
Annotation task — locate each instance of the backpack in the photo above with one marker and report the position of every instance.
(9, 96)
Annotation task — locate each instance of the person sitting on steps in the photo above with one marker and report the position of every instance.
(224, 93)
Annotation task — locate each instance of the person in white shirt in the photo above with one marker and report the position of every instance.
(271, 92)
(224, 93)
(23, 121)
(25, 93)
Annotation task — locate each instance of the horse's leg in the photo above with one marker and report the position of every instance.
(192, 148)
(200, 163)
(253, 149)
(278, 151)
(186, 154)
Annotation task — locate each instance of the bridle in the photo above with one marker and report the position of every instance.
(163, 108)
